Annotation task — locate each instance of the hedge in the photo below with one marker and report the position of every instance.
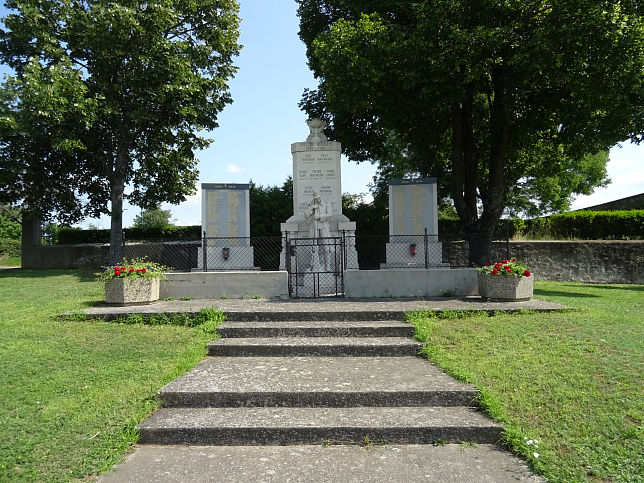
(70, 235)
(10, 248)
(584, 225)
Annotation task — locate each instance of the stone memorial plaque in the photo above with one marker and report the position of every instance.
(316, 171)
(413, 206)
(225, 218)
(225, 210)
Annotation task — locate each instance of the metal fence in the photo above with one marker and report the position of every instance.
(364, 252)
(376, 252)
(209, 253)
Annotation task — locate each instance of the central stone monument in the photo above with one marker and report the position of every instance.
(317, 205)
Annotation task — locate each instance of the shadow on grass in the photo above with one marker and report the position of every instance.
(558, 293)
(81, 275)
(630, 288)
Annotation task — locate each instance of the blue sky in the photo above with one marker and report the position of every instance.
(257, 129)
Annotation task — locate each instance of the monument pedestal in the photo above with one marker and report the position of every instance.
(237, 258)
(399, 255)
(321, 254)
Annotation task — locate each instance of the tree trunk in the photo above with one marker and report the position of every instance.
(117, 188)
(479, 228)
(116, 227)
(480, 246)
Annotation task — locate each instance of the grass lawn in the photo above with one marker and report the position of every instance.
(572, 381)
(72, 391)
(10, 261)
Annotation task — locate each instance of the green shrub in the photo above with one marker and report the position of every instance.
(71, 235)
(584, 225)
(10, 248)
(169, 232)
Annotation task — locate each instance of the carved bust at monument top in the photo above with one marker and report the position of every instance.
(317, 131)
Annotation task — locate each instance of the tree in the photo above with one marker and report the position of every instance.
(10, 226)
(153, 218)
(502, 101)
(270, 206)
(107, 96)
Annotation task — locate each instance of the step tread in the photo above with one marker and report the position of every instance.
(314, 374)
(315, 323)
(275, 418)
(316, 329)
(315, 341)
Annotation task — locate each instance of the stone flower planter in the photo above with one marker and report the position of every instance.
(505, 288)
(132, 291)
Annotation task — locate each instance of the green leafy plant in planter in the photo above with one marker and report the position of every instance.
(513, 268)
(505, 280)
(133, 282)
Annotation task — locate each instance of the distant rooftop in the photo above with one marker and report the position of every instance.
(635, 202)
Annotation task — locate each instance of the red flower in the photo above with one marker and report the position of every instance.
(131, 269)
(117, 273)
(526, 273)
(143, 270)
(498, 265)
(514, 259)
(487, 264)
(505, 261)
(508, 269)
(494, 272)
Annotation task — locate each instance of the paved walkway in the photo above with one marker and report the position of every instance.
(451, 463)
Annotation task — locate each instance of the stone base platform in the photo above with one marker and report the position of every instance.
(323, 309)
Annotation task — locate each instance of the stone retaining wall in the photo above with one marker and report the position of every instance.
(595, 261)
(598, 261)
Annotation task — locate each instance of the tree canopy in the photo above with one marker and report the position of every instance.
(508, 103)
(108, 95)
(270, 206)
(153, 218)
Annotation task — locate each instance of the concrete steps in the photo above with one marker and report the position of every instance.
(291, 382)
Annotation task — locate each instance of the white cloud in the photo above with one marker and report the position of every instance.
(234, 169)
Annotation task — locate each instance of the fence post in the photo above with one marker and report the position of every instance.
(343, 249)
(287, 263)
(426, 246)
(204, 248)
(507, 240)
(123, 244)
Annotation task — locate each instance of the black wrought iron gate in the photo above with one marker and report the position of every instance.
(315, 267)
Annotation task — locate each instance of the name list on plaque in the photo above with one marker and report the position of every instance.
(316, 171)
(225, 210)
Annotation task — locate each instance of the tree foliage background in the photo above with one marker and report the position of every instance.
(508, 103)
(108, 95)
(153, 218)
